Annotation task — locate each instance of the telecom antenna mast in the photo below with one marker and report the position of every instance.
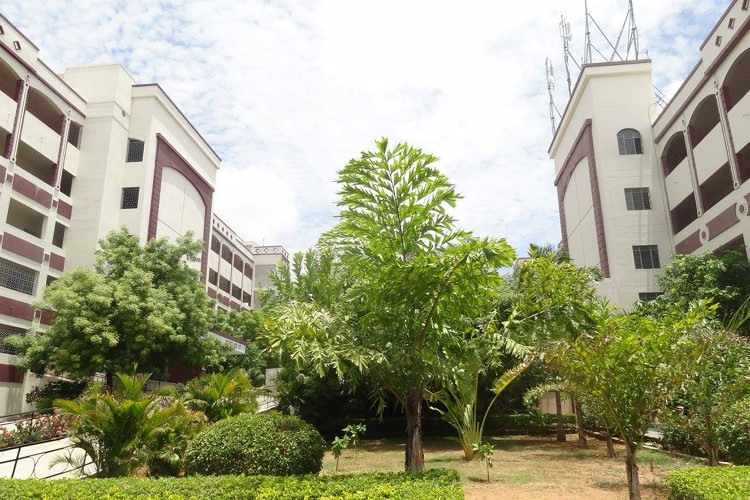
(587, 42)
(566, 36)
(550, 87)
(633, 32)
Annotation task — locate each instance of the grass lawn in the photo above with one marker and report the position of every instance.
(524, 468)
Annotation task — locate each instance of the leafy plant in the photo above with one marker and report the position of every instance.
(353, 432)
(734, 432)
(44, 396)
(120, 431)
(338, 445)
(221, 395)
(272, 444)
(708, 483)
(34, 429)
(485, 451)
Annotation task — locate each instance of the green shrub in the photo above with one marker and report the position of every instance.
(709, 483)
(44, 397)
(429, 485)
(734, 432)
(272, 444)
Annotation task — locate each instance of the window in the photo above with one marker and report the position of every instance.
(745, 4)
(629, 142)
(648, 296)
(5, 332)
(58, 237)
(135, 150)
(731, 23)
(66, 183)
(646, 256)
(637, 198)
(17, 277)
(718, 41)
(129, 197)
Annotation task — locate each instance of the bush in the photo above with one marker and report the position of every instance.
(734, 432)
(34, 430)
(708, 483)
(429, 485)
(271, 444)
(45, 396)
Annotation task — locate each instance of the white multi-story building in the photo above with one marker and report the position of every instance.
(636, 186)
(85, 153)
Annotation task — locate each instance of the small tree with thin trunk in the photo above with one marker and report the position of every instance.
(630, 365)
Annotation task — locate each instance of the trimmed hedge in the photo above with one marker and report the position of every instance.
(709, 483)
(432, 484)
(271, 444)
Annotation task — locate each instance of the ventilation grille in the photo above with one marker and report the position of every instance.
(17, 277)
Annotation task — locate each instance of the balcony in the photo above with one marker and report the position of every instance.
(678, 182)
(739, 122)
(30, 187)
(7, 112)
(25, 218)
(41, 137)
(35, 163)
(710, 154)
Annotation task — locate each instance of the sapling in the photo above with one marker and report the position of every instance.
(338, 445)
(484, 450)
(352, 433)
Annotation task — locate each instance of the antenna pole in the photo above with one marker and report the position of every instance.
(550, 87)
(566, 36)
(633, 37)
(587, 49)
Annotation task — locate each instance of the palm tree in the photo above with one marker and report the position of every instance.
(221, 395)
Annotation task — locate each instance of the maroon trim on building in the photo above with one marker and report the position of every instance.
(726, 219)
(168, 157)
(13, 243)
(47, 317)
(741, 32)
(32, 191)
(64, 209)
(211, 293)
(16, 308)
(2, 174)
(56, 261)
(689, 244)
(224, 300)
(11, 373)
(583, 147)
(236, 306)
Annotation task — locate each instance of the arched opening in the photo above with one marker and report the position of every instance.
(629, 142)
(8, 81)
(737, 81)
(44, 109)
(704, 119)
(674, 153)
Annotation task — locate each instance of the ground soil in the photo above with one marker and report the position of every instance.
(524, 468)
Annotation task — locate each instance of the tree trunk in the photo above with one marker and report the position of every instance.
(109, 378)
(713, 456)
(414, 460)
(560, 423)
(610, 444)
(634, 487)
(579, 423)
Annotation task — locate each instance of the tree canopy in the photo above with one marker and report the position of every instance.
(139, 305)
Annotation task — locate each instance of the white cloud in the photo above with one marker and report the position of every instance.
(288, 91)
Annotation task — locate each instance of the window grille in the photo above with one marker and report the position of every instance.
(646, 256)
(637, 198)
(629, 142)
(17, 277)
(648, 296)
(129, 198)
(5, 332)
(135, 150)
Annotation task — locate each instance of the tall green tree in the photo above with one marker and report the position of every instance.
(630, 365)
(416, 283)
(139, 305)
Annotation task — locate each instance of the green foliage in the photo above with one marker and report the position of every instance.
(415, 284)
(221, 395)
(44, 396)
(708, 483)
(436, 483)
(247, 326)
(485, 451)
(338, 446)
(734, 432)
(124, 430)
(693, 277)
(352, 433)
(140, 304)
(271, 444)
(718, 378)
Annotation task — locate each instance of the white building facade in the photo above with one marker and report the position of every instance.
(636, 186)
(85, 153)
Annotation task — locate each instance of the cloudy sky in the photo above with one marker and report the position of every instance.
(288, 91)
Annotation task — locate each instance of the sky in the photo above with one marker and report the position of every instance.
(288, 91)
